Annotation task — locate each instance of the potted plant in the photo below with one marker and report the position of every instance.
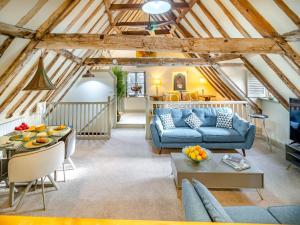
(120, 86)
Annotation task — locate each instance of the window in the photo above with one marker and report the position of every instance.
(254, 88)
(136, 84)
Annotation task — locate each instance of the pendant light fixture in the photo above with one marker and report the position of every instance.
(156, 6)
(88, 74)
(40, 80)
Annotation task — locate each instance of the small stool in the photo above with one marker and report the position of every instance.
(263, 117)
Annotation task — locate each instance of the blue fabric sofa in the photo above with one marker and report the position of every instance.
(200, 205)
(208, 135)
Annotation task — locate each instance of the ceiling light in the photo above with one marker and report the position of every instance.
(40, 80)
(156, 6)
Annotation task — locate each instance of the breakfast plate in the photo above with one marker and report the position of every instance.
(34, 144)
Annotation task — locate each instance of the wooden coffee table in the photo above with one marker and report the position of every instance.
(214, 173)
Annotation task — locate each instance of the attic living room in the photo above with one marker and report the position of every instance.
(149, 112)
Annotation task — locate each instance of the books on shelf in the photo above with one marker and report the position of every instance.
(237, 162)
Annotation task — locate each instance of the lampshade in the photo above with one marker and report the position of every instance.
(88, 74)
(202, 80)
(157, 82)
(156, 6)
(40, 80)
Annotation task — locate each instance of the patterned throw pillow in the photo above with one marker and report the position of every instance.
(167, 121)
(193, 121)
(224, 120)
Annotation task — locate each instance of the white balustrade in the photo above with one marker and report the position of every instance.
(91, 120)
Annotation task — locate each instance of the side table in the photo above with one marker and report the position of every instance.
(263, 117)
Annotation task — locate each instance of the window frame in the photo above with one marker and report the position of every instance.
(136, 79)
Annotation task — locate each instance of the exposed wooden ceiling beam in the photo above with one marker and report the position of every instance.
(265, 82)
(69, 55)
(145, 32)
(165, 44)
(146, 61)
(292, 35)
(143, 23)
(55, 18)
(185, 11)
(292, 15)
(15, 31)
(137, 6)
(110, 16)
(265, 28)
(3, 3)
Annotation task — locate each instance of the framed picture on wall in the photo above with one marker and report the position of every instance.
(179, 81)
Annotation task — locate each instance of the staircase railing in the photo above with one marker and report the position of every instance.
(91, 120)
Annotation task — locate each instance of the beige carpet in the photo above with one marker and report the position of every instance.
(122, 178)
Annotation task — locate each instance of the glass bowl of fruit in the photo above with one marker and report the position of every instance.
(196, 153)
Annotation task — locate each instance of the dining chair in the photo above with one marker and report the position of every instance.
(70, 146)
(31, 166)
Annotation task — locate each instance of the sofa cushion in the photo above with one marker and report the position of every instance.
(209, 115)
(193, 121)
(178, 115)
(286, 214)
(212, 206)
(194, 209)
(241, 125)
(181, 135)
(250, 214)
(224, 120)
(216, 134)
(167, 121)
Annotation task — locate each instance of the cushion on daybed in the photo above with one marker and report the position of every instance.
(286, 214)
(194, 209)
(181, 135)
(222, 135)
(250, 214)
(212, 206)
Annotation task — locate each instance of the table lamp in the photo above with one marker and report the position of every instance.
(202, 83)
(157, 83)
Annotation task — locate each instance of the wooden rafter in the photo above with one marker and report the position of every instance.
(265, 82)
(188, 45)
(145, 32)
(292, 35)
(15, 31)
(267, 60)
(141, 23)
(23, 21)
(32, 12)
(3, 3)
(292, 15)
(145, 61)
(264, 27)
(5, 45)
(55, 18)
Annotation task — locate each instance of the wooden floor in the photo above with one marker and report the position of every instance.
(122, 178)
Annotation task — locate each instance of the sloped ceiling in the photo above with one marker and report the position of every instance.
(203, 19)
